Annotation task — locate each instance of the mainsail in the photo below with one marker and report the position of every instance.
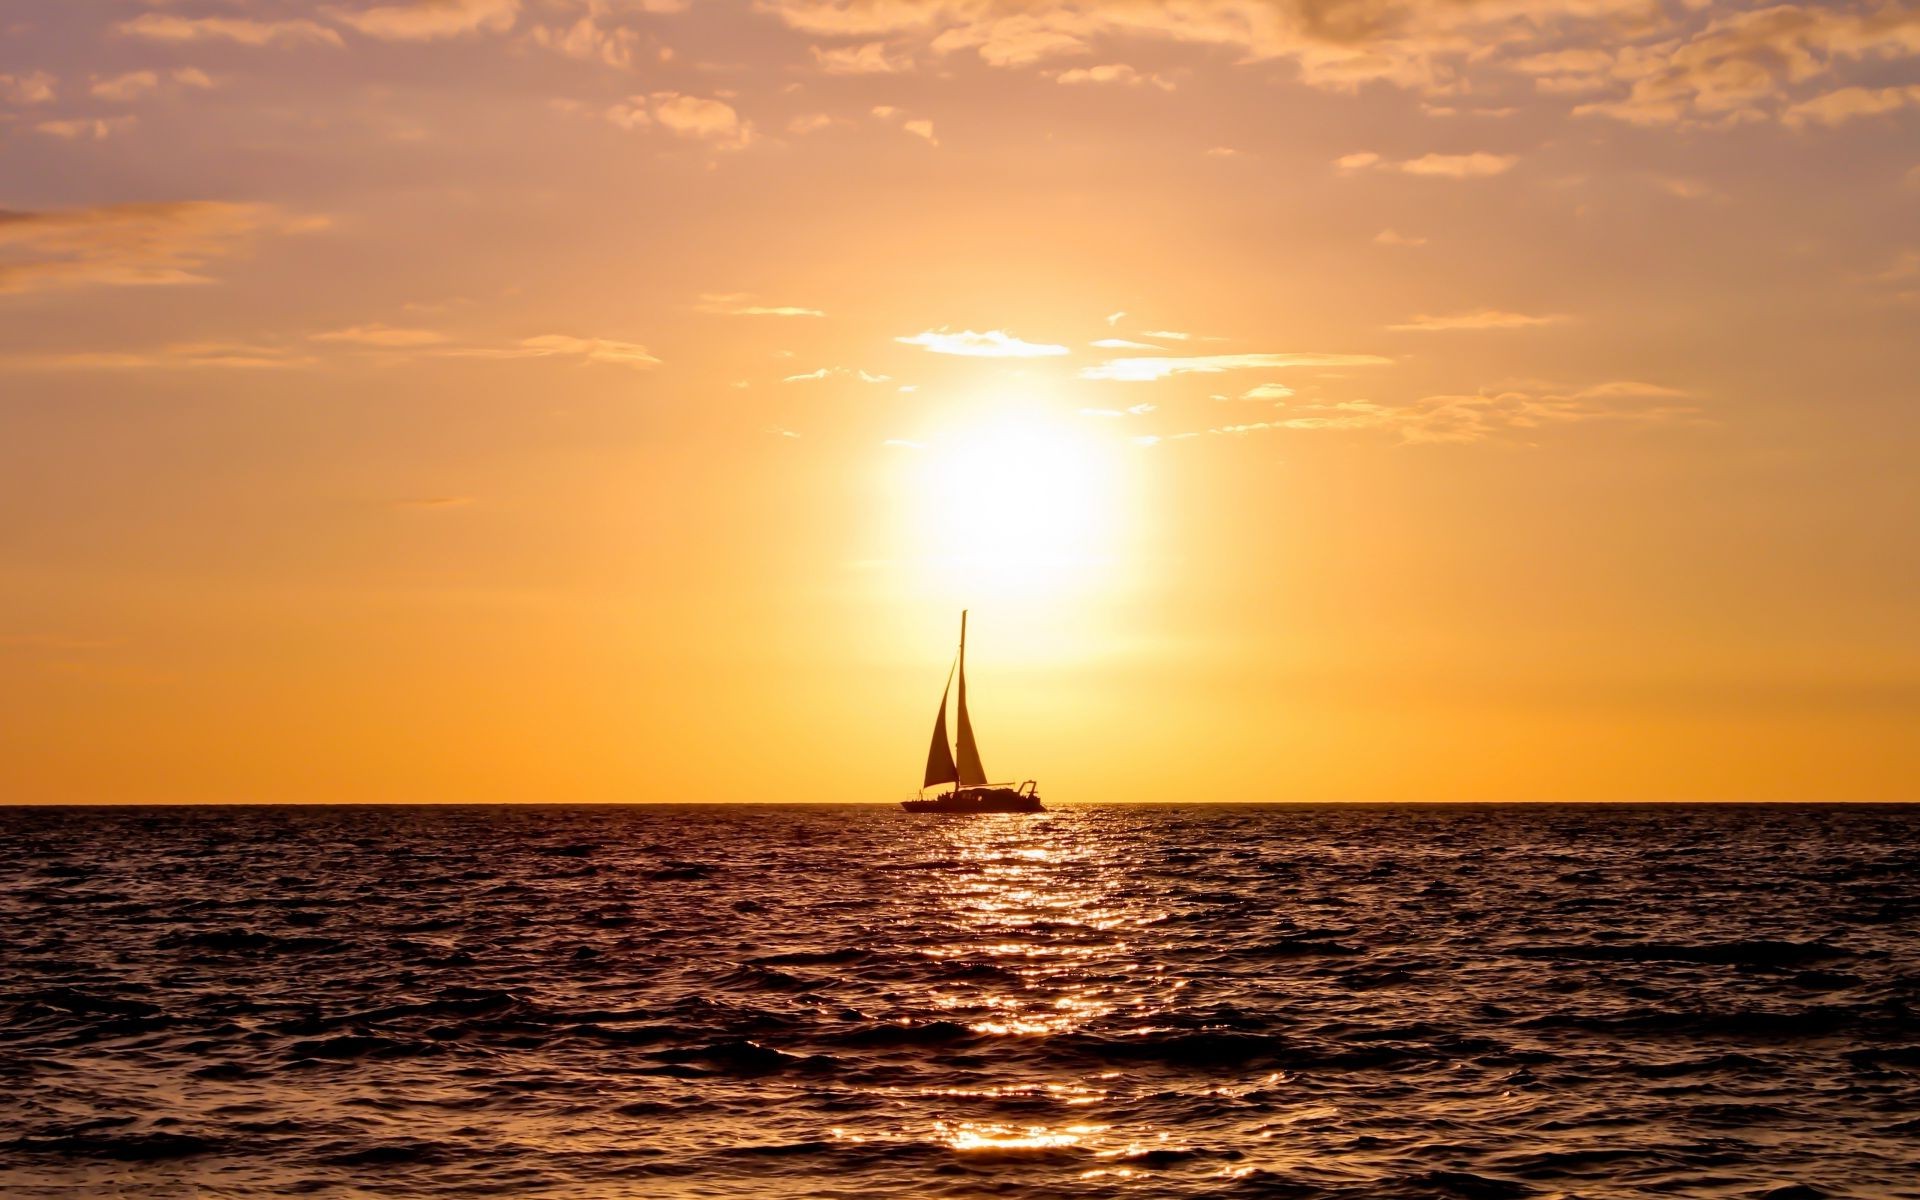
(939, 758)
(972, 774)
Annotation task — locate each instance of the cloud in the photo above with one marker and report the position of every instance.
(904, 444)
(1120, 73)
(1013, 41)
(1486, 318)
(165, 27)
(1688, 189)
(425, 20)
(1833, 108)
(179, 356)
(1647, 61)
(589, 41)
(1580, 60)
(994, 343)
(872, 58)
(1740, 66)
(602, 351)
(1124, 344)
(129, 86)
(852, 18)
(1387, 237)
(1140, 370)
(382, 336)
(918, 126)
(1336, 45)
(741, 304)
(34, 88)
(86, 128)
(592, 350)
(835, 372)
(1113, 318)
(1486, 415)
(126, 245)
(1267, 391)
(1461, 419)
(807, 123)
(1621, 388)
(695, 117)
(1477, 165)
(1137, 410)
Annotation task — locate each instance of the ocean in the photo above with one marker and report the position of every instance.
(1478, 1002)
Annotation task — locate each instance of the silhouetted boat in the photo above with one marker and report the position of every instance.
(971, 793)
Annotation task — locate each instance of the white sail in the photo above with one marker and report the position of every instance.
(939, 758)
(972, 774)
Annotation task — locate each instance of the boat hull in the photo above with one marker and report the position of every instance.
(978, 800)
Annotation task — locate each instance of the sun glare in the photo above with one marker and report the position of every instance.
(1017, 506)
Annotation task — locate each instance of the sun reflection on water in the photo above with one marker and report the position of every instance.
(1040, 919)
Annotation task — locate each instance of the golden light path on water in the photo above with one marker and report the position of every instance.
(1047, 910)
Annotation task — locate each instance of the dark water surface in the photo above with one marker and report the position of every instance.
(1302, 1002)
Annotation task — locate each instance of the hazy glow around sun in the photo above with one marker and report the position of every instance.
(1017, 505)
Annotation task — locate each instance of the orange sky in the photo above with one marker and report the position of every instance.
(566, 400)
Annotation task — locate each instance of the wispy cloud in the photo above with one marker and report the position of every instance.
(129, 86)
(179, 356)
(1267, 391)
(74, 129)
(35, 87)
(1124, 344)
(1486, 318)
(169, 27)
(1114, 73)
(994, 343)
(383, 336)
(872, 58)
(1461, 419)
(1141, 370)
(1388, 237)
(742, 304)
(1477, 165)
(426, 20)
(125, 245)
(697, 117)
(838, 372)
(588, 40)
(605, 351)
(1847, 104)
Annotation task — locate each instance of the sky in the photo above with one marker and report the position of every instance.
(618, 400)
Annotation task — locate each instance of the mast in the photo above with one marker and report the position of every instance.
(967, 752)
(963, 701)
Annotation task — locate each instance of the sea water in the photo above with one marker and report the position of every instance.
(768, 1001)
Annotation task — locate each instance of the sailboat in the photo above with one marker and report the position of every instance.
(971, 792)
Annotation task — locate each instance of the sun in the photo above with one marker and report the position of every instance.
(1022, 504)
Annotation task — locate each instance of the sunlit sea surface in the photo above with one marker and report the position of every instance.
(1301, 1002)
